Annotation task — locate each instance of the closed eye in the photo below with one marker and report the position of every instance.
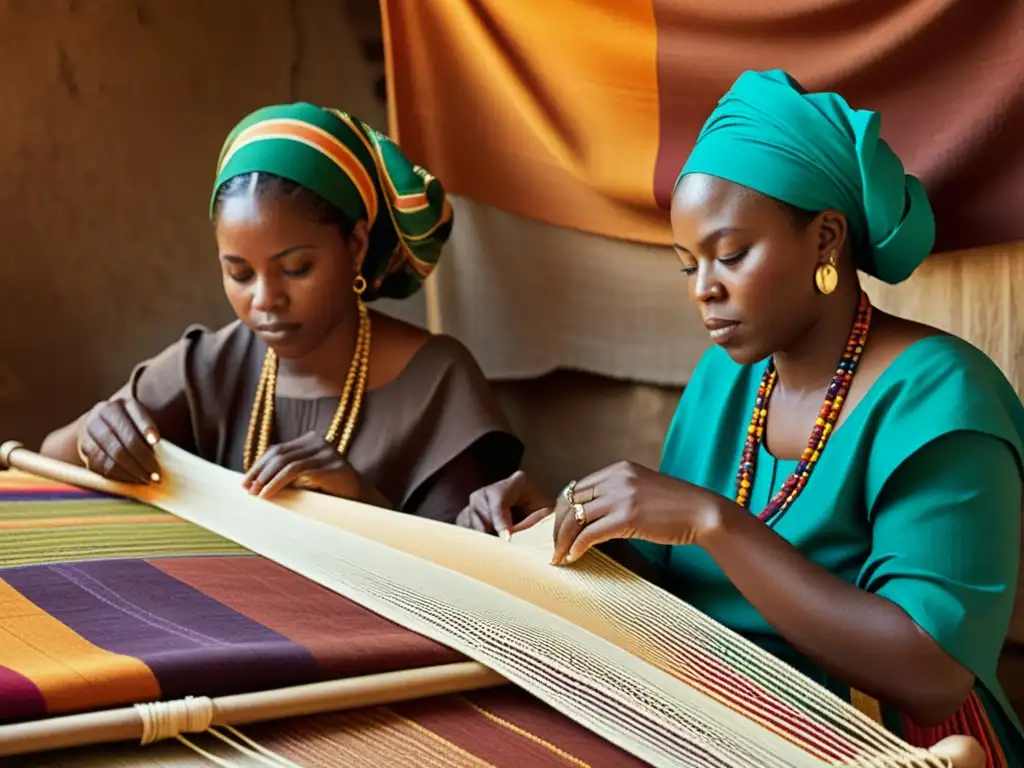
(303, 270)
(734, 258)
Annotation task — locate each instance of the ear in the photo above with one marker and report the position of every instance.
(359, 243)
(832, 235)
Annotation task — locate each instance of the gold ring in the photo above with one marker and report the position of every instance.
(82, 456)
(570, 492)
(580, 514)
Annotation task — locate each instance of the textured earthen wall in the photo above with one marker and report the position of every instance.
(113, 112)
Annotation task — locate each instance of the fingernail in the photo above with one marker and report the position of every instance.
(154, 476)
(151, 437)
(505, 535)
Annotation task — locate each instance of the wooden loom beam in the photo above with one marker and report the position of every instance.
(126, 723)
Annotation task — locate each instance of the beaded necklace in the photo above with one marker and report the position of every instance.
(263, 403)
(835, 397)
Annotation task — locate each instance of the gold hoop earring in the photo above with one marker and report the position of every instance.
(826, 276)
(359, 285)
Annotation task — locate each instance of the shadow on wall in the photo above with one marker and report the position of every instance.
(114, 116)
(575, 423)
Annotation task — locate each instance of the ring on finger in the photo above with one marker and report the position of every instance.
(580, 514)
(82, 455)
(569, 492)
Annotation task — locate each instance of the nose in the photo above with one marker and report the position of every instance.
(267, 296)
(706, 285)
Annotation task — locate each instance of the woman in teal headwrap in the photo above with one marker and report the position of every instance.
(861, 521)
(315, 214)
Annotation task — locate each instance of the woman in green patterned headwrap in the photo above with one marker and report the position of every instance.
(859, 520)
(315, 215)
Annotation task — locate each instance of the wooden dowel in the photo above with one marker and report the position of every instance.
(432, 296)
(367, 691)
(125, 724)
(14, 455)
(70, 731)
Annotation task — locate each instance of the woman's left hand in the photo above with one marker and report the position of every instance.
(308, 462)
(627, 501)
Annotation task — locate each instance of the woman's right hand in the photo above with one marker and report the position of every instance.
(506, 507)
(116, 440)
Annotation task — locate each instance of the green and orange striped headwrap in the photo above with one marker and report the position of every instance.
(358, 170)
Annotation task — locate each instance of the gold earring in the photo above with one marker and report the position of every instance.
(826, 276)
(359, 285)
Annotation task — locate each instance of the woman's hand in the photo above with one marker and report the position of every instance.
(627, 501)
(116, 440)
(505, 507)
(307, 462)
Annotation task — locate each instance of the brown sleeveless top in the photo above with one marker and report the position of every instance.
(440, 408)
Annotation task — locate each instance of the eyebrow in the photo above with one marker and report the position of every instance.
(710, 238)
(275, 257)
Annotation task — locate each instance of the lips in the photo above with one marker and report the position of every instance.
(720, 329)
(276, 331)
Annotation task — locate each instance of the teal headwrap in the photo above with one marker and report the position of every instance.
(358, 170)
(813, 151)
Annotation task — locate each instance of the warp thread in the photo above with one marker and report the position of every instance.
(194, 714)
(167, 719)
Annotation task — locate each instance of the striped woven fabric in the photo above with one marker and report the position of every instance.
(513, 106)
(106, 602)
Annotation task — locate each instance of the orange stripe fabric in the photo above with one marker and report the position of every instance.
(71, 673)
(76, 522)
(545, 109)
(407, 203)
(320, 140)
(12, 480)
(581, 114)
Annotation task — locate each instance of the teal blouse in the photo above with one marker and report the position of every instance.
(916, 497)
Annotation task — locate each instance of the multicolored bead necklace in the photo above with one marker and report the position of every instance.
(823, 425)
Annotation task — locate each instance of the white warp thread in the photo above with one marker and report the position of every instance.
(168, 719)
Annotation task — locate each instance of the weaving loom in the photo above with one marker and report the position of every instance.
(608, 669)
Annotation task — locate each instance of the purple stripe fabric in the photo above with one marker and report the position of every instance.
(14, 496)
(193, 644)
(19, 696)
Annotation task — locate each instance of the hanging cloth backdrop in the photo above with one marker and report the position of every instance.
(581, 114)
(559, 126)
